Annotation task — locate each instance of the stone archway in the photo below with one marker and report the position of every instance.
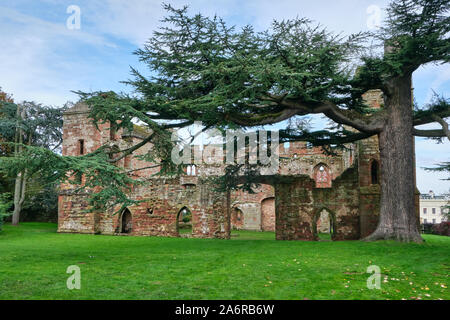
(184, 222)
(374, 172)
(268, 214)
(237, 218)
(126, 222)
(324, 225)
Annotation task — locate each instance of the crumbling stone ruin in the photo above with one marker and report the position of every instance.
(311, 193)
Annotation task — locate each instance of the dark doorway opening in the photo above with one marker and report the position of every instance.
(126, 222)
(374, 172)
(324, 226)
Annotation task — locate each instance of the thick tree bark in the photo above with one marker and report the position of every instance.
(228, 222)
(21, 179)
(19, 197)
(398, 220)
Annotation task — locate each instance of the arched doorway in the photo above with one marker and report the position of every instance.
(237, 219)
(374, 172)
(126, 224)
(324, 225)
(184, 222)
(268, 214)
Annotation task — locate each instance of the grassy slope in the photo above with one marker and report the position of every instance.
(34, 259)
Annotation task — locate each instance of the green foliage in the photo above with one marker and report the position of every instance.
(418, 30)
(442, 167)
(34, 125)
(93, 174)
(41, 203)
(42, 125)
(204, 70)
(5, 207)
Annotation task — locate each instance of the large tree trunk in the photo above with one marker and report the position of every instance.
(398, 220)
(21, 179)
(19, 197)
(228, 222)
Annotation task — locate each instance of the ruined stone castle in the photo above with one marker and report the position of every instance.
(311, 193)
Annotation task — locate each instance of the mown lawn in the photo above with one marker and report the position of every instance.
(34, 259)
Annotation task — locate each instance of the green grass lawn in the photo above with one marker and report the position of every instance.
(34, 259)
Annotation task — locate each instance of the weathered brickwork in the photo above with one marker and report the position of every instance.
(253, 209)
(309, 184)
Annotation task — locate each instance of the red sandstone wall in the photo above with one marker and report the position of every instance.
(298, 206)
(297, 202)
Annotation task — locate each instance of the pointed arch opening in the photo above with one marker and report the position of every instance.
(191, 170)
(374, 172)
(322, 176)
(324, 225)
(237, 218)
(184, 222)
(126, 222)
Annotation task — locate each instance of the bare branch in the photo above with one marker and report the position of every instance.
(364, 123)
(259, 120)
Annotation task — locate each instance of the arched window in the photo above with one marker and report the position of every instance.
(324, 225)
(322, 176)
(374, 172)
(191, 170)
(112, 131)
(126, 222)
(81, 147)
(184, 221)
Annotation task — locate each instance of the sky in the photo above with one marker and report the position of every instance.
(49, 50)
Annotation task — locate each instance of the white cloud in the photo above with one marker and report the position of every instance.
(428, 155)
(135, 20)
(432, 79)
(32, 61)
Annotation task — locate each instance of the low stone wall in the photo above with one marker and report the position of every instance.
(299, 205)
(156, 215)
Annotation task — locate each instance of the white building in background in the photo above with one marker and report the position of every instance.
(432, 208)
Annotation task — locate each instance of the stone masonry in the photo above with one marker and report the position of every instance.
(308, 183)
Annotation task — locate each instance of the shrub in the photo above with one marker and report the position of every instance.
(427, 228)
(442, 229)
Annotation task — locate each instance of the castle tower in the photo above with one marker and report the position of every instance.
(369, 173)
(80, 137)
